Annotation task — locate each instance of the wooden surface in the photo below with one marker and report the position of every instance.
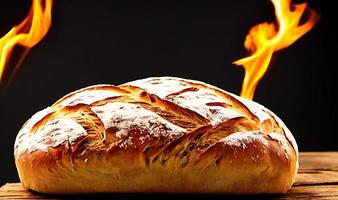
(317, 179)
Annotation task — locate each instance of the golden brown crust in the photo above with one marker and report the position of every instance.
(156, 135)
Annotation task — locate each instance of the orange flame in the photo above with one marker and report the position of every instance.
(263, 40)
(27, 34)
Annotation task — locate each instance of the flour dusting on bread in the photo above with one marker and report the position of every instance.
(160, 134)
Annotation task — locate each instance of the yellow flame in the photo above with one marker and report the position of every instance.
(263, 40)
(28, 33)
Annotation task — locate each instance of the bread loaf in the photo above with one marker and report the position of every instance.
(162, 134)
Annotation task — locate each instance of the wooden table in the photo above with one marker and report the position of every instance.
(317, 179)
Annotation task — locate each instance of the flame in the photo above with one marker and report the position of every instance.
(27, 34)
(263, 40)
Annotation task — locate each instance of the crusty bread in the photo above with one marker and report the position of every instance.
(163, 134)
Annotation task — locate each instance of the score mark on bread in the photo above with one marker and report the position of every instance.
(161, 134)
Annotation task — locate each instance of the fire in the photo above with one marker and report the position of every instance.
(27, 34)
(263, 40)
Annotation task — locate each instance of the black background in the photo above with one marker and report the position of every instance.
(93, 42)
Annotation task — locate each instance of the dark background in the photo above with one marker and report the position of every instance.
(93, 42)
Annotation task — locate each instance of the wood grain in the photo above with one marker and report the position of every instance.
(317, 178)
(317, 168)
